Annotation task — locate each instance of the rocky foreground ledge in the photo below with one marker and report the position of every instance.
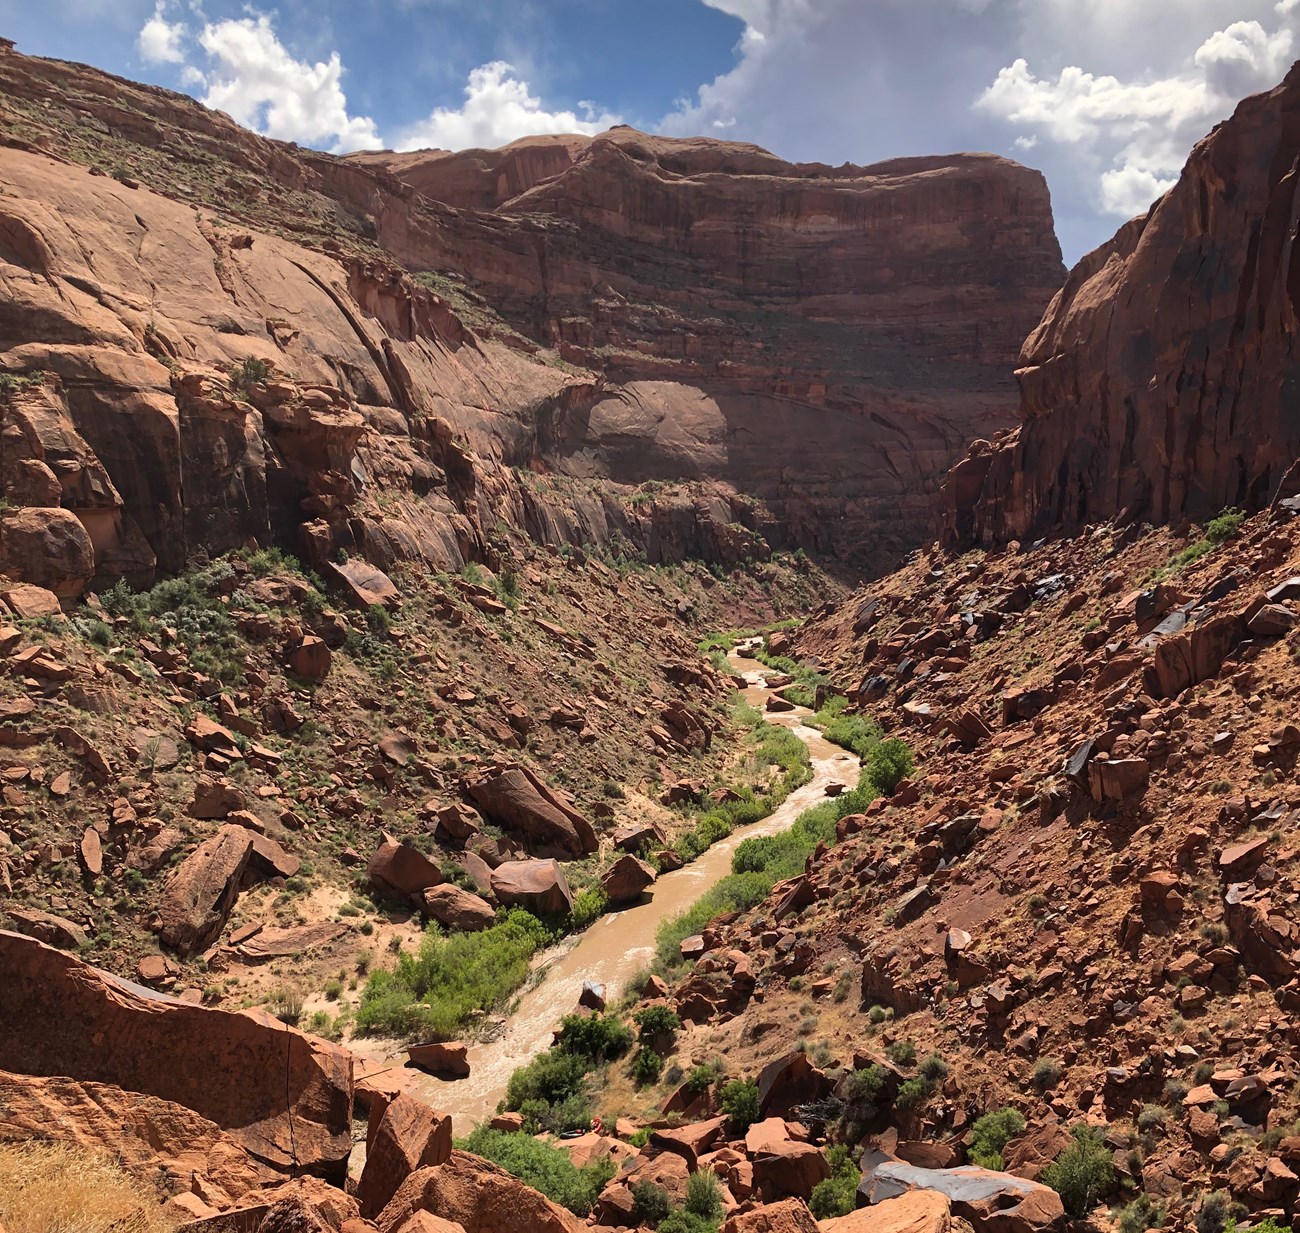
(247, 1124)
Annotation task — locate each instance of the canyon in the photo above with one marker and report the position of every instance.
(552, 687)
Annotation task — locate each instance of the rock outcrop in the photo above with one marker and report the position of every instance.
(1160, 382)
(284, 1097)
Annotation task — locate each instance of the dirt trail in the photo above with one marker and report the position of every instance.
(620, 944)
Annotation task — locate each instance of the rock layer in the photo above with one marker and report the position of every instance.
(1161, 381)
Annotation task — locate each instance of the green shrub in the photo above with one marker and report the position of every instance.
(543, 1167)
(888, 764)
(1083, 1173)
(650, 1203)
(704, 1195)
(1047, 1073)
(702, 1077)
(1142, 1214)
(589, 905)
(1151, 1116)
(837, 1194)
(656, 1021)
(682, 1221)
(901, 1052)
(991, 1133)
(435, 992)
(740, 1104)
(1215, 1213)
(646, 1066)
(912, 1093)
(597, 1038)
(551, 1077)
(1222, 528)
(933, 1068)
(251, 372)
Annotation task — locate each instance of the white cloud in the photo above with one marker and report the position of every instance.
(160, 40)
(498, 109)
(1144, 129)
(257, 82)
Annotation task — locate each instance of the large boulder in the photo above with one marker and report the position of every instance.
(788, 1216)
(198, 897)
(399, 869)
(407, 1135)
(456, 908)
(284, 1096)
(626, 879)
(920, 1211)
(479, 1196)
(513, 797)
(537, 885)
(147, 1135)
(783, 1167)
(787, 1082)
(993, 1202)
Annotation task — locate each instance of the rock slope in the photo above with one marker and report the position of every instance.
(1160, 384)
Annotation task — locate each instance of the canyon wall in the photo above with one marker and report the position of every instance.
(1161, 383)
(672, 347)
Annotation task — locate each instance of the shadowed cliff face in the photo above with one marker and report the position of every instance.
(794, 355)
(844, 330)
(1162, 380)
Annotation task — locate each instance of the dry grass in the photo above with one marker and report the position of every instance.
(53, 1188)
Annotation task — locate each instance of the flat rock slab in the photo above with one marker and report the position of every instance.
(294, 940)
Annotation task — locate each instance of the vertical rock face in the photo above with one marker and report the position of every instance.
(1162, 380)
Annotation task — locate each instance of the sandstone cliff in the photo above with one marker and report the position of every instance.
(1161, 381)
(209, 337)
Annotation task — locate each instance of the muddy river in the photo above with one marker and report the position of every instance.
(620, 944)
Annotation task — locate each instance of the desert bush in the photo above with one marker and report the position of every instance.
(597, 1038)
(740, 1103)
(650, 1203)
(991, 1133)
(704, 1195)
(55, 1188)
(543, 1167)
(837, 1194)
(1083, 1173)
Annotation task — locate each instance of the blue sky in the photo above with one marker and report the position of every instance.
(1106, 97)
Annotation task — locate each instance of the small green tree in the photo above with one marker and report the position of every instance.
(646, 1066)
(991, 1133)
(650, 1203)
(704, 1194)
(1083, 1173)
(740, 1104)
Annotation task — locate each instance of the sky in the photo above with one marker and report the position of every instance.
(1106, 97)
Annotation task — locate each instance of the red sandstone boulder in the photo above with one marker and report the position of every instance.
(457, 908)
(285, 1097)
(788, 1216)
(310, 659)
(199, 894)
(783, 1167)
(146, 1134)
(367, 586)
(537, 885)
(920, 1211)
(408, 1136)
(446, 1058)
(479, 1196)
(626, 879)
(513, 797)
(399, 869)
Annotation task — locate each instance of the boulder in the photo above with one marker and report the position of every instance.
(636, 836)
(626, 879)
(920, 1211)
(783, 1167)
(427, 1222)
(513, 797)
(445, 1058)
(199, 894)
(1117, 779)
(479, 1196)
(146, 1134)
(789, 1081)
(365, 585)
(284, 1096)
(456, 908)
(310, 659)
(788, 1216)
(408, 1135)
(692, 1141)
(399, 869)
(993, 1202)
(49, 928)
(537, 885)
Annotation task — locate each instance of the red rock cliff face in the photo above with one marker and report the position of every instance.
(826, 339)
(1162, 381)
(796, 354)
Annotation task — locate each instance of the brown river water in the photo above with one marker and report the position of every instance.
(620, 944)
